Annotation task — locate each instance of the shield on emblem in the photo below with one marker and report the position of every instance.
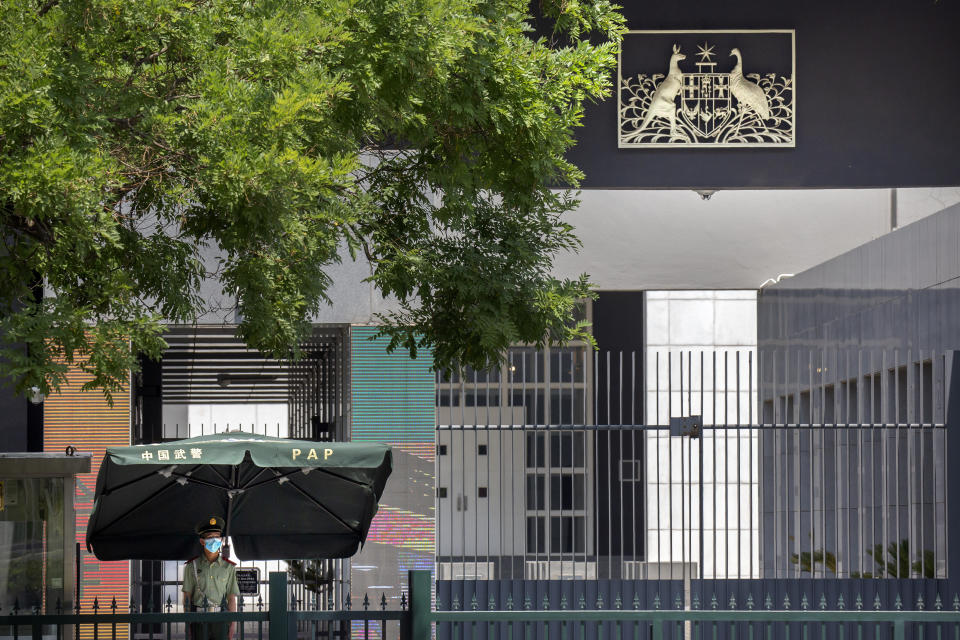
(706, 103)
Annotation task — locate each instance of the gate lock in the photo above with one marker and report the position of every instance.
(686, 426)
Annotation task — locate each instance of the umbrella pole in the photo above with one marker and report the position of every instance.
(226, 533)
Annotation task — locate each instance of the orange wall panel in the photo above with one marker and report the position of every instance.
(84, 420)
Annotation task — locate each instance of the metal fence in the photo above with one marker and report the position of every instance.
(283, 616)
(686, 467)
(898, 613)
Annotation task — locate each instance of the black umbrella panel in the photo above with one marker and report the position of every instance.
(280, 498)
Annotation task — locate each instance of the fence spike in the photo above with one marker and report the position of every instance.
(750, 601)
(527, 604)
(938, 603)
(403, 601)
(170, 604)
(599, 603)
(786, 602)
(150, 603)
(546, 603)
(876, 602)
(823, 602)
(678, 602)
(473, 602)
(656, 601)
(96, 604)
(563, 602)
(768, 602)
(348, 602)
(16, 604)
(921, 605)
(636, 601)
(240, 604)
(859, 603)
(76, 605)
(898, 603)
(383, 602)
(733, 602)
(840, 603)
(804, 603)
(36, 609)
(956, 602)
(509, 602)
(259, 603)
(133, 605)
(618, 603)
(456, 602)
(491, 603)
(713, 602)
(59, 608)
(582, 602)
(696, 601)
(366, 601)
(113, 605)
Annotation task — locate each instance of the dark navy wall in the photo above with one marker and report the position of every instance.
(618, 393)
(13, 427)
(877, 95)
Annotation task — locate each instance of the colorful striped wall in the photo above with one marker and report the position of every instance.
(84, 420)
(393, 395)
(393, 402)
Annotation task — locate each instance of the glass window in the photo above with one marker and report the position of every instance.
(31, 556)
(566, 406)
(536, 500)
(525, 365)
(567, 364)
(535, 450)
(536, 535)
(567, 491)
(567, 534)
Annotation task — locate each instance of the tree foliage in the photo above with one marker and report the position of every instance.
(423, 134)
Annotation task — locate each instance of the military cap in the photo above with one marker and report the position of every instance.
(213, 523)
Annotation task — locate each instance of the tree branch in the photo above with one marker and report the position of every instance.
(50, 4)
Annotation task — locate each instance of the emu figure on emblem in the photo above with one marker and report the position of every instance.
(663, 104)
(748, 93)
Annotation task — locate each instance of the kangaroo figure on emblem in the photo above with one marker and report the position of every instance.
(663, 103)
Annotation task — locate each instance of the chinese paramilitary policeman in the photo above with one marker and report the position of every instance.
(210, 582)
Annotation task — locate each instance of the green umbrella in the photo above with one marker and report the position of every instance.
(279, 498)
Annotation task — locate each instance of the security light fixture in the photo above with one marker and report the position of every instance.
(36, 396)
(227, 379)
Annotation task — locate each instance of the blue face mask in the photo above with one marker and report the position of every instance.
(212, 544)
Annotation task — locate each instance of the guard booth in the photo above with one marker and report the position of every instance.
(38, 532)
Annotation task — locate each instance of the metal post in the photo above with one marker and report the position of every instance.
(279, 618)
(899, 629)
(418, 621)
(952, 375)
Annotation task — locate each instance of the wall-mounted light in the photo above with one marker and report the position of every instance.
(36, 396)
(227, 379)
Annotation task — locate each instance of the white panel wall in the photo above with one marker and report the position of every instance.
(701, 350)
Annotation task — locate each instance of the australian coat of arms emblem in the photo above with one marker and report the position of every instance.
(721, 98)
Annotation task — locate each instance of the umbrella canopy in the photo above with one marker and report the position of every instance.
(280, 498)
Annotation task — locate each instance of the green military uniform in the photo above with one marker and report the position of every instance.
(216, 580)
(207, 585)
